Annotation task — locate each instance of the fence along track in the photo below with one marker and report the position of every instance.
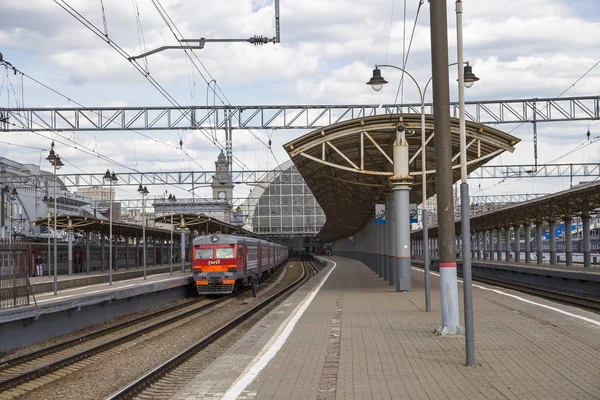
(174, 369)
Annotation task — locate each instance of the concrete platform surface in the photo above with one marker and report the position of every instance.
(359, 339)
(41, 284)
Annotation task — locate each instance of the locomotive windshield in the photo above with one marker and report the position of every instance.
(204, 253)
(225, 252)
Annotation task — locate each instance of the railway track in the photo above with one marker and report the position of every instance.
(164, 380)
(572, 299)
(30, 371)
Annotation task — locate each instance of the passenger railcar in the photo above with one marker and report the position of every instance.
(222, 262)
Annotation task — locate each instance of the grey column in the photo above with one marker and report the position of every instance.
(527, 228)
(538, 242)
(103, 253)
(477, 245)
(70, 255)
(138, 261)
(88, 252)
(492, 244)
(499, 243)
(182, 251)
(391, 273)
(587, 261)
(384, 244)
(116, 253)
(517, 243)
(568, 241)
(552, 227)
(401, 181)
(507, 242)
(126, 252)
(485, 244)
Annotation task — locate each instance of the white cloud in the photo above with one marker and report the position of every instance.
(519, 49)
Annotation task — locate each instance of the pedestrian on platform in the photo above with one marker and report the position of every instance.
(39, 265)
(253, 280)
(77, 263)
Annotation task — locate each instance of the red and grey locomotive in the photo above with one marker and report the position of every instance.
(222, 262)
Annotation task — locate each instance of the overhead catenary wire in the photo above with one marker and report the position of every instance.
(178, 36)
(405, 57)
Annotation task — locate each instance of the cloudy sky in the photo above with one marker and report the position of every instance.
(519, 49)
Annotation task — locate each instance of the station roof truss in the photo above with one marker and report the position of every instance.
(203, 224)
(90, 224)
(348, 165)
(576, 202)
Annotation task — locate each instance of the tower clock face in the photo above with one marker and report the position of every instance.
(221, 195)
(220, 168)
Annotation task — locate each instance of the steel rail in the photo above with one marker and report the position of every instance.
(146, 380)
(82, 355)
(87, 337)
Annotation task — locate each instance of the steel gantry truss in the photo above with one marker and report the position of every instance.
(196, 179)
(283, 116)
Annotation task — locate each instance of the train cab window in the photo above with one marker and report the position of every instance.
(204, 253)
(225, 253)
(239, 252)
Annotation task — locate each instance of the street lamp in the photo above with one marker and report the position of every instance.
(377, 81)
(54, 159)
(172, 200)
(111, 179)
(144, 192)
(48, 200)
(468, 78)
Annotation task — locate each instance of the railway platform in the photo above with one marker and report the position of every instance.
(87, 299)
(347, 334)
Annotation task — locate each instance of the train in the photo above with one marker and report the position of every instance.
(223, 263)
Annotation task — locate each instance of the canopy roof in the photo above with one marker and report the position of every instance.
(348, 165)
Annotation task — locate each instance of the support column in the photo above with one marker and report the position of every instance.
(517, 243)
(392, 253)
(478, 245)
(384, 243)
(587, 260)
(182, 255)
(499, 243)
(138, 261)
(70, 254)
(568, 240)
(126, 252)
(492, 244)
(401, 181)
(102, 252)
(88, 252)
(443, 168)
(507, 242)
(552, 227)
(527, 227)
(538, 241)
(486, 238)
(116, 253)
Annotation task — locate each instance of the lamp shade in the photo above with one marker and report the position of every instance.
(469, 76)
(377, 80)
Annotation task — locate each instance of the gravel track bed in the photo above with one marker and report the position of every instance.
(133, 359)
(90, 329)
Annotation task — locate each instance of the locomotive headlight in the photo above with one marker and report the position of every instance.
(214, 238)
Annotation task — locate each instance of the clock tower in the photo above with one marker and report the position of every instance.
(222, 185)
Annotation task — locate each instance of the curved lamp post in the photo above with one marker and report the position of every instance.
(54, 159)
(111, 179)
(144, 192)
(377, 81)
